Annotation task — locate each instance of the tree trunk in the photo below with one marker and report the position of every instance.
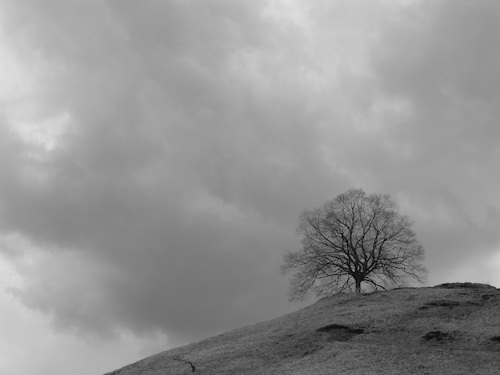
(358, 286)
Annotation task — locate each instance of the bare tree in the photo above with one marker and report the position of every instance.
(355, 238)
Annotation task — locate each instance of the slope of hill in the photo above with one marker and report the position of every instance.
(449, 329)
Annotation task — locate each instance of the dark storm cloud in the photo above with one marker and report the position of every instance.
(197, 132)
(442, 61)
(163, 205)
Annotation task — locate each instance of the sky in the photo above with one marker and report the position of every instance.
(155, 156)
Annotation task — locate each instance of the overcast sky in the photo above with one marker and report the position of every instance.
(155, 156)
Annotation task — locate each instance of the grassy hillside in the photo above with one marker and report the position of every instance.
(449, 329)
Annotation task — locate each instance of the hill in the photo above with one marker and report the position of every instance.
(449, 329)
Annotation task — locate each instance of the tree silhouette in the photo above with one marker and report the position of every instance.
(353, 239)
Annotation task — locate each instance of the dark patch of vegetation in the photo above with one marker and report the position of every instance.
(437, 336)
(338, 332)
(486, 297)
(495, 339)
(464, 286)
(441, 303)
(332, 327)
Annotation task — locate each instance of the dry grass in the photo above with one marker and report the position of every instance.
(450, 330)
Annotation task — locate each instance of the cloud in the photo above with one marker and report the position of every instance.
(157, 158)
(442, 62)
(31, 346)
(156, 208)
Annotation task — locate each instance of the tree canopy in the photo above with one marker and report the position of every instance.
(352, 240)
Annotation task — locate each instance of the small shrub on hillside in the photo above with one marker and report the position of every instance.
(487, 297)
(437, 336)
(338, 332)
(442, 303)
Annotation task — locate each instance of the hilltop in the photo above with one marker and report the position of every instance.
(448, 329)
